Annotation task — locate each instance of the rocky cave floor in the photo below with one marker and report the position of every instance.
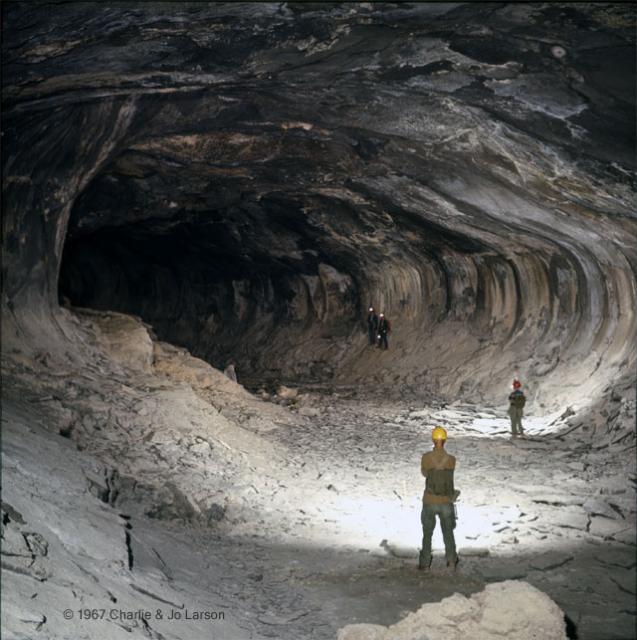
(150, 481)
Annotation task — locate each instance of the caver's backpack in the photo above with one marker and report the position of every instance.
(517, 399)
(439, 484)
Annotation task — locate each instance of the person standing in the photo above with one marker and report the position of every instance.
(517, 400)
(384, 327)
(372, 326)
(438, 467)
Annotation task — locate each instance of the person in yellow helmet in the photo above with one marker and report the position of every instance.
(438, 466)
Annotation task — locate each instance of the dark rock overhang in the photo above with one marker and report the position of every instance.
(248, 177)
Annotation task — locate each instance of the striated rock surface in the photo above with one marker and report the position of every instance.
(513, 610)
(247, 178)
(292, 513)
(186, 184)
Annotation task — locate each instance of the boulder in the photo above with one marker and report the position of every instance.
(512, 610)
(287, 393)
(126, 339)
(609, 528)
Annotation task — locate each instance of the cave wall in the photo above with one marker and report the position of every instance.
(248, 178)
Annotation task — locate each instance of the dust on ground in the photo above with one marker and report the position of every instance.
(150, 478)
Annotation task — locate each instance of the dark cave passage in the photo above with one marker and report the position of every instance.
(245, 179)
(279, 280)
(252, 210)
(241, 282)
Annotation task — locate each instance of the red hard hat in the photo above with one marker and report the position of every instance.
(516, 384)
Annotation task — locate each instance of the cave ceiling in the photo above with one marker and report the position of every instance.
(283, 164)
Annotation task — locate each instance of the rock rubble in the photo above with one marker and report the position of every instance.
(245, 178)
(511, 610)
(183, 446)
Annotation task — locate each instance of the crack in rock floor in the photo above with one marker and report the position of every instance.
(326, 535)
(524, 512)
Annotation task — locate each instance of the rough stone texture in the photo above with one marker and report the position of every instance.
(247, 178)
(127, 339)
(76, 550)
(550, 560)
(362, 631)
(513, 610)
(293, 514)
(607, 528)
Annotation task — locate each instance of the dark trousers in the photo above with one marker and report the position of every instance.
(371, 332)
(447, 523)
(382, 340)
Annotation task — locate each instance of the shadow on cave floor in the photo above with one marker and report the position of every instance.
(533, 509)
(299, 590)
(345, 480)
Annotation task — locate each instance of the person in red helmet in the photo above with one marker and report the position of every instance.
(517, 400)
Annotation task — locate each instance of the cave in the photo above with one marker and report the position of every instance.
(192, 185)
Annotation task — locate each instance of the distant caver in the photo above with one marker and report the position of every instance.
(372, 326)
(384, 327)
(517, 400)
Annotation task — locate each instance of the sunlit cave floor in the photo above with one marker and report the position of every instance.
(168, 488)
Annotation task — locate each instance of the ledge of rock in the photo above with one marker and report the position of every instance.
(510, 610)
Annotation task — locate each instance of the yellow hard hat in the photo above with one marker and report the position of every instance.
(438, 434)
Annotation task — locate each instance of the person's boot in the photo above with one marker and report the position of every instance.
(452, 564)
(424, 565)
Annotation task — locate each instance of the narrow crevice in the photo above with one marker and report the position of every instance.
(129, 545)
(571, 629)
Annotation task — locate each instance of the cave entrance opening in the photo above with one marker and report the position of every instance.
(248, 282)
